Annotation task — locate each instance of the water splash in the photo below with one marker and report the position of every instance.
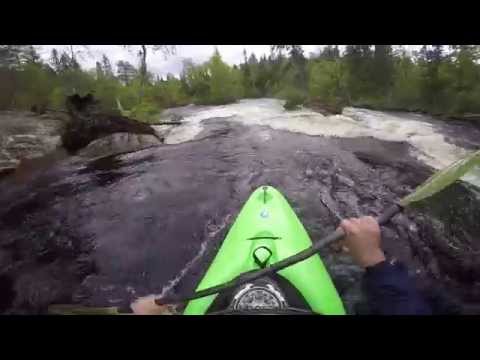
(173, 282)
(211, 231)
(429, 145)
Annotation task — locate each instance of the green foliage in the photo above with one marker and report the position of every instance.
(378, 76)
(57, 98)
(146, 111)
(126, 72)
(359, 65)
(105, 90)
(381, 78)
(221, 81)
(293, 97)
(69, 82)
(197, 82)
(213, 83)
(406, 88)
(8, 84)
(327, 80)
(128, 96)
(170, 93)
(33, 87)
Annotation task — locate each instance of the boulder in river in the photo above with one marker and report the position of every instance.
(118, 143)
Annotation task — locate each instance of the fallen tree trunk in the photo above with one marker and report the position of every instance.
(168, 123)
(87, 123)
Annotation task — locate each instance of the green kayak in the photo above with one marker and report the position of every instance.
(266, 231)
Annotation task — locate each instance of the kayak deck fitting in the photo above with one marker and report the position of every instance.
(266, 231)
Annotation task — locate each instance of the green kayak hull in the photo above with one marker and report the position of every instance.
(267, 220)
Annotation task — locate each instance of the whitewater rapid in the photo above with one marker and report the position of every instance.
(429, 145)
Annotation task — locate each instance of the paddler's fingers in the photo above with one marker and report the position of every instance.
(342, 246)
(146, 306)
(349, 226)
(338, 246)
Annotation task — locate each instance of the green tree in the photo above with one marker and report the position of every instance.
(55, 61)
(224, 83)
(330, 52)
(383, 72)
(126, 72)
(406, 83)
(358, 62)
(327, 81)
(107, 66)
(431, 84)
(34, 86)
(462, 78)
(142, 52)
(292, 84)
(98, 70)
(29, 55)
(10, 61)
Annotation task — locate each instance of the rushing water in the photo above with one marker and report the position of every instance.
(106, 231)
(429, 143)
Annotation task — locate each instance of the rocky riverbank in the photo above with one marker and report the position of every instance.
(30, 141)
(25, 135)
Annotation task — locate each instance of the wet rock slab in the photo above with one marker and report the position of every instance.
(101, 232)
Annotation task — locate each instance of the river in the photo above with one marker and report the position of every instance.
(104, 232)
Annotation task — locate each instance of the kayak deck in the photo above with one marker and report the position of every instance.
(266, 231)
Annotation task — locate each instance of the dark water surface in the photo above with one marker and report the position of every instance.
(104, 232)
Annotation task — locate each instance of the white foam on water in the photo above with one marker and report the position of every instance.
(173, 282)
(193, 126)
(211, 230)
(430, 146)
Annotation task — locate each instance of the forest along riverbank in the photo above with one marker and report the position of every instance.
(103, 232)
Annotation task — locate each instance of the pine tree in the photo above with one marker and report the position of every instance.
(99, 70)
(431, 84)
(126, 72)
(29, 55)
(142, 55)
(330, 52)
(382, 74)
(358, 61)
(55, 61)
(107, 67)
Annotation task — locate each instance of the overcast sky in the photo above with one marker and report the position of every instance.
(232, 54)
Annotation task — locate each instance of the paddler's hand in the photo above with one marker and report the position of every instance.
(363, 240)
(146, 306)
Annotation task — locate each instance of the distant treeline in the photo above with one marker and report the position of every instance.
(436, 79)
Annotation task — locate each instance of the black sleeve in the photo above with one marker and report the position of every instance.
(390, 291)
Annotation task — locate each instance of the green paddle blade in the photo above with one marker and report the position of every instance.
(443, 178)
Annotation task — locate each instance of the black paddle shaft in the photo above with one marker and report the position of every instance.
(282, 264)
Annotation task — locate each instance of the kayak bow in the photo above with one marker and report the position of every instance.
(265, 232)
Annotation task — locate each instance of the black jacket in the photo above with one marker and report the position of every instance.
(390, 291)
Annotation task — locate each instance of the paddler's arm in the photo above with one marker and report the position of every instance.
(389, 289)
